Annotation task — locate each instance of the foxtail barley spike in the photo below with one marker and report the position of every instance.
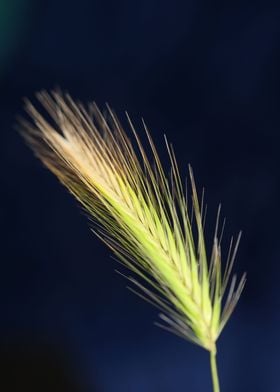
(140, 214)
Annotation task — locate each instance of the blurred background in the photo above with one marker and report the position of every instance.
(206, 73)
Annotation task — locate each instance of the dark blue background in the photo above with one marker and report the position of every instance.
(207, 73)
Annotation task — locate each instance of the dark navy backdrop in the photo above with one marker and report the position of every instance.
(207, 73)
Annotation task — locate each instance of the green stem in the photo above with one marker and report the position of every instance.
(214, 372)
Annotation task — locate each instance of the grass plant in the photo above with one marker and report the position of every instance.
(142, 214)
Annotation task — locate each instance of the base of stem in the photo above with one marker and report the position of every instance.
(214, 371)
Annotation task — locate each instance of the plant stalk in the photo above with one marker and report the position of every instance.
(214, 371)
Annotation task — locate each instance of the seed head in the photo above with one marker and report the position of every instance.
(140, 213)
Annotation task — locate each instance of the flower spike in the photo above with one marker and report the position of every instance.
(140, 214)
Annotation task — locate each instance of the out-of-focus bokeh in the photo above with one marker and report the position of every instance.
(208, 75)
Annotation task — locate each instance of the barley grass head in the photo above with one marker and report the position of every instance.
(140, 213)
